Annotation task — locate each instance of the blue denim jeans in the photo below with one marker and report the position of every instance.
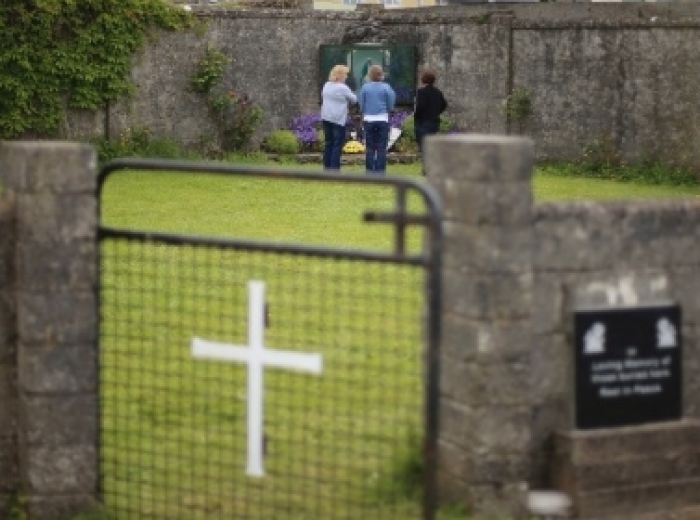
(335, 139)
(376, 141)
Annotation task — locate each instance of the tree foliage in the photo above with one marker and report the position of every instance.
(61, 54)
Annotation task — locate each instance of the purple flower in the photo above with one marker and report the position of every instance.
(397, 118)
(305, 127)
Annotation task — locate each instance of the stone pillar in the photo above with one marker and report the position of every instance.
(485, 416)
(52, 186)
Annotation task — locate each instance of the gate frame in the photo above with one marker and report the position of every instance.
(430, 260)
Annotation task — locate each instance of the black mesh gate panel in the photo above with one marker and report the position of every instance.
(253, 373)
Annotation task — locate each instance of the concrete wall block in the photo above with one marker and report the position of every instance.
(483, 385)
(629, 470)
(548, 296)
(550, 368)
(58, 316)
(487, 249)
(679, 513)
(56, 218)
(549, 416)
(7, 379)
(490, 474)
(482, 469)
(64, 469)
(60, 507)
(454, 459)
(454, 422)
(485, 341)
(8, 408)
(8, 417)
(48, 166)
(454, 491)
(685, 252)
(7, 328)
(498, 500)
(45, 266)
(628, 443)
(484, 430)
(494, 296)
(57, 369)
(7, 280)
(658, 468)
(647, 231)
(8, 466)
(7, 241)
(58, 420)
(496, 203)
(691, 398)
(684, 288)
(691, 367)
(575, 237)
(479, 157)
(660, 496)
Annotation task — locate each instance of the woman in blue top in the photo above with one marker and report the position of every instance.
(334, 113)
(376, 100)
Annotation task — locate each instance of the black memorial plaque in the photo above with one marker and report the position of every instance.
(628, 366)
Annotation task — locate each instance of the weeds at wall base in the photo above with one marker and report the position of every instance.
(137, 142)
(96, 513)
(656, 174)
(17, 508)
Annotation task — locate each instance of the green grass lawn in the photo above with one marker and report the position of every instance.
(342, 445)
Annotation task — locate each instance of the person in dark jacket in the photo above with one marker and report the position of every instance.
(430, 103)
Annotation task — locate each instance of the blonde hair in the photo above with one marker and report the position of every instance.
(338, 72)
(375, 73)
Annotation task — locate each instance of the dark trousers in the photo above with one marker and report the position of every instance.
(376, 141)
(335, 139)
(425, 128)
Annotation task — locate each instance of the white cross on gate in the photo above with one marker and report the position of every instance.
(256, 356)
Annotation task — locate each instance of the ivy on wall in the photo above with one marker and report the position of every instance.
(61, 54)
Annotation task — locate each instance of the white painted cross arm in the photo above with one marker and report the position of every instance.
(257, 357)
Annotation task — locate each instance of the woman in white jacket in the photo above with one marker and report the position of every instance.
(334, 113)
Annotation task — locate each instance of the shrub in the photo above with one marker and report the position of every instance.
(236, 117)
(518, 107)
(307, 129)
(210, 70)
(138, 142)
(282, 141)
(407, 141)
(601, 154)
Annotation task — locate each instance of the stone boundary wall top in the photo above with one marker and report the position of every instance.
(594, 72)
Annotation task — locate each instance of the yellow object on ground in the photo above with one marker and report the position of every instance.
(353, 146)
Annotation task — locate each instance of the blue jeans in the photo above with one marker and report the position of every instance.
(376, 141)
(335, 139)
(426, 128)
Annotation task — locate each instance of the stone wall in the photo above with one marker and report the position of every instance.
(514, 273)
(622, 73)
(48, 329)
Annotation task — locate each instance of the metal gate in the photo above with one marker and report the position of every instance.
(281, 367)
